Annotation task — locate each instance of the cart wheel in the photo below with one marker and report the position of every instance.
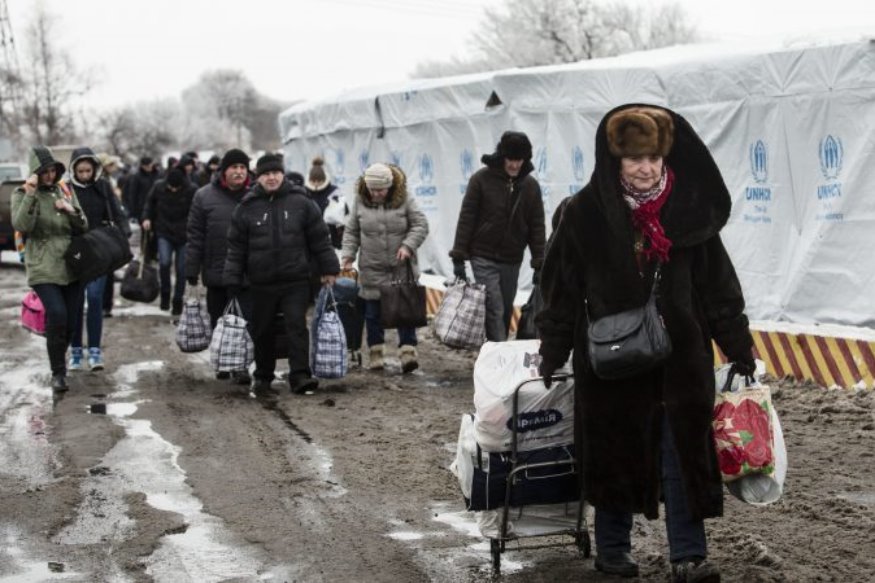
(584, 545)
(495, 547)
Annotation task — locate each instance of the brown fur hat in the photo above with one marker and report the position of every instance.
(640, 131)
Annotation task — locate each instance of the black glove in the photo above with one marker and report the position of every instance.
(536, 277)
(459, 270)
(746, 366)
(191, 280)
(233, 291)
(546, 370)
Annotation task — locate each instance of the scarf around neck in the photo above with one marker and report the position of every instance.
(645, 206)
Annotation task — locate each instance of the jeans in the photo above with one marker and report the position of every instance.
(93, 295)
(501, 281)
(686, 536)
(166, 251)
(217, 301)
(292, 301)
(60, 303)
(376, 334)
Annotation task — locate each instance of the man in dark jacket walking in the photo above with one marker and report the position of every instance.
(501, 214)
(166, 213)
(207, 234)
(274, 232)
(138, 186)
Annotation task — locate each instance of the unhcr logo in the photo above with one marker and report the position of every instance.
(396, 158)
(364, 160)
(831, 155)
(759, 162)
(541, 163)
(577, 163)
(426, 176)
(466, 163)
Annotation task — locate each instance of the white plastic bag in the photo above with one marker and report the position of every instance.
(466, 450)
(336, 211)
(545, 416)
(758, 489)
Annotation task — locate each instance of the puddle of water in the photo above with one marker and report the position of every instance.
(24, 569)
(25, 402)
(406, 535)
(143, 461)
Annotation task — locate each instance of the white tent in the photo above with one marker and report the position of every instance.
(792, 129)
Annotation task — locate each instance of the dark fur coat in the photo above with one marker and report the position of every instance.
(591, 259)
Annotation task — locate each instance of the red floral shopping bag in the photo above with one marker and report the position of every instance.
(743, 433)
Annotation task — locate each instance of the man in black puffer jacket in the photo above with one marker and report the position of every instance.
(207, 231)
(274, 232)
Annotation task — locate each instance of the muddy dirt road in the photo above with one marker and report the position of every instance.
(152, 470)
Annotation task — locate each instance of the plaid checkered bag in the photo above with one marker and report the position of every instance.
(193, 331)
(231, 348)
(460, 321)
(327, 339)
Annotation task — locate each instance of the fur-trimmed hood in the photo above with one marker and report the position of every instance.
(310, 186)
(699, 203)
(397, 193)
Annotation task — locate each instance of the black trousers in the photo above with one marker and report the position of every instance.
(292, 301)
(61, 303)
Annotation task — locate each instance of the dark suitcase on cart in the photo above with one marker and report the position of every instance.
(350, 308)
(554, 483)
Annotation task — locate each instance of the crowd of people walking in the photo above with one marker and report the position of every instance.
(645, 227)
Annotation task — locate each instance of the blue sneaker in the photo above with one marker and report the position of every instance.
(95, 359)
(75, 359)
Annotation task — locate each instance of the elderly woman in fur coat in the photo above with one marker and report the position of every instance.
(656, 198)
(385, 228)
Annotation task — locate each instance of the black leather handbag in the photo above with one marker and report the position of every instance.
(629, 343)
(402, 302)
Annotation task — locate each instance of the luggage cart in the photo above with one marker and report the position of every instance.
(579, 532)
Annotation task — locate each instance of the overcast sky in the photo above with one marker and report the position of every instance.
(309, 49)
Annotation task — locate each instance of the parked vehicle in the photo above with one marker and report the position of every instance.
(7, 233)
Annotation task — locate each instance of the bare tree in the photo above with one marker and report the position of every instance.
(51, 83)
(527, 33)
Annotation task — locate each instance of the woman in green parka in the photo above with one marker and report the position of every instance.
(49, 216)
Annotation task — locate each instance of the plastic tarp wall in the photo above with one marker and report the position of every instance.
(791, 129)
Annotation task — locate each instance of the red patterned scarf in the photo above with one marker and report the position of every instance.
(645, 214)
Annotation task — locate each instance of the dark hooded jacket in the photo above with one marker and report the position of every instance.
(137, 189)
(168, 210)
(500, 215)
(207, 232)
(591, 265)
(273, 236)
(96, 198)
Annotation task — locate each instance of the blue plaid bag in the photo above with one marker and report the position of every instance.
(327, 339)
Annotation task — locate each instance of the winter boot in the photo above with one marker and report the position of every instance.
(375, 362)
(59, 383)
(177, 308)
(75, 358)
(300, 384)
(165, 304)
(354, 358)
(694, 570)
(408, 359)
(95, 359)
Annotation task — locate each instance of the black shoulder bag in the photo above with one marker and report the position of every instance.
(98, 251)
(629, 343)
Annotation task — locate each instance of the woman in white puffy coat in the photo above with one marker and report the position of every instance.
(385, 228)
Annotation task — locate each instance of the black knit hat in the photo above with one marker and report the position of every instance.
(269, 163)
(515, 146)
(233, 156)
(145, 160)
(214, 159)
(176, 178)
